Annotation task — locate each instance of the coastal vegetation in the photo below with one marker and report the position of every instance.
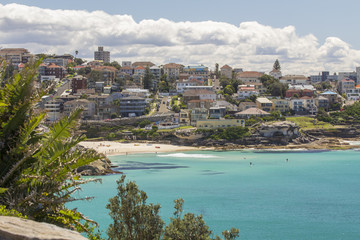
(37, 161)
(229, 133)
(134, 219)
(348, 115)
(306, 123)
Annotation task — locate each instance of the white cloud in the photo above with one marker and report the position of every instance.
(250, 45)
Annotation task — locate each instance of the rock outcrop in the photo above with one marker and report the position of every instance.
(13, 228)
(343, 132)
(97, 168)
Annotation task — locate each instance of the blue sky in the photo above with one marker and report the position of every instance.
(299, 33)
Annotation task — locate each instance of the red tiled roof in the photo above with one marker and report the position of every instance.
(200, 100)
(126, 68)
(347, 80)
(195, 92)
(172, 65)
(226, 67)
(53, 65)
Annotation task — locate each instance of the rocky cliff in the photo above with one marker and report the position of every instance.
(13, 228)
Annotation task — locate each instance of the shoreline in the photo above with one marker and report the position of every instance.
(111, 148)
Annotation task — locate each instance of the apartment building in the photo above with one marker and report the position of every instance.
(102, 55)
(15, 55)
(264, 104)
(226, 71)
(172, 70)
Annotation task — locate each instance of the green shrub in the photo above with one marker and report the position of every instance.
(11, 213)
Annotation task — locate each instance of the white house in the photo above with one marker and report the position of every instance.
(247, 91)
(295, 79)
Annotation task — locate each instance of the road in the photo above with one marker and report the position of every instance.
(163, 105)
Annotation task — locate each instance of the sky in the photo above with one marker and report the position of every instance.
(306, 36)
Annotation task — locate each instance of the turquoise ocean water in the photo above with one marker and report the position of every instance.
(313, 195)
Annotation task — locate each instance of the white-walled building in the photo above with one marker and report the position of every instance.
(245, 91)
(54, 108)
(294, 79)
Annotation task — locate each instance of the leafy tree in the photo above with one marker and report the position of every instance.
(217, 72)
(230, 133)
(143, 123)
(9, 71)
(273, 85)
(224, 81)
(114, 64)
(94, 76)
(230, 235)
(113, 115)
(229, 90)
(277, 89)
(70, 70)
(84, 96)
(235, 83)
(84, 71)
(164, 84)
(134, 219)
(37, 167)
(147, 80)
(188, 227)
(176, 108)
(253, 98)
(322, 115)
(79, 61)
(276, 65)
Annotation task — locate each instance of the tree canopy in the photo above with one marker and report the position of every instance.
(134, 219)
(276, 65)
(147, 80)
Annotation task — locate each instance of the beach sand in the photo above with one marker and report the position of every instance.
(116, 148)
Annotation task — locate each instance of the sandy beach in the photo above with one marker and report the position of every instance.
(116, 148)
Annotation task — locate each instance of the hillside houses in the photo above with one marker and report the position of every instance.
(109, 90)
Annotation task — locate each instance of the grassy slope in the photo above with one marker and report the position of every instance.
(307, 123)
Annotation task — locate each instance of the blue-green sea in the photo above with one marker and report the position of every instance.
(266, 194)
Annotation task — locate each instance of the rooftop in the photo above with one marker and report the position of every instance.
(252, 111)
(249, 74)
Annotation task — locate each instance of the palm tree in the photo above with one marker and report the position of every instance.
(37, 163)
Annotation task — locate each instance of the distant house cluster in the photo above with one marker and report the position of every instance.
(106, 89)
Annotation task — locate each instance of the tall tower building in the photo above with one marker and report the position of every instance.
(100, 54)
